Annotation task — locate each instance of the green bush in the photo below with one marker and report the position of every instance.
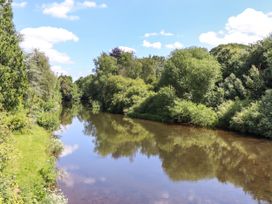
(4, 130)
(215, 97)
(48, 106)
(48, 120)
(17, 121)
(156, 106)
(193, 72)
(227, 110)
(255, 118)
(48, 174)
(123, 93)
(9, 191)
(195, 114)
(56, 147)
(247, 120)
(54, 197)
(166, 107)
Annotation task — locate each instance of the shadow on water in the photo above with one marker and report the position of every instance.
(193, 161)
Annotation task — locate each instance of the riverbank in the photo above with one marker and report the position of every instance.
(30, 172)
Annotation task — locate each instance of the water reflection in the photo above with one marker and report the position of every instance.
(186, 154)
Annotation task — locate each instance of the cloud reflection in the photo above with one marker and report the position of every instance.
(69, 149)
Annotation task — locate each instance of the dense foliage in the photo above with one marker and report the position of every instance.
(29, 96)
(13, 82)
(193, 72)
(68, 89)
(228, 87)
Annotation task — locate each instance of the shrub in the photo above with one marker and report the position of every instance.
(56, 147)
(4, 130)
(55, 197)
(48, 120)
(191, 113)
(247, 120)
(157, 106)
(48, 174)
(166, 107)
(255, 118)
(17, 121)
(123, 93)
(227, 110)
(215, 97)
(48, 106)
(9, 191)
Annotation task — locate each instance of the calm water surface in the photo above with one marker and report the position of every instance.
(114, 160)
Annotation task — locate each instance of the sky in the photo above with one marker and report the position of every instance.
(74, 32)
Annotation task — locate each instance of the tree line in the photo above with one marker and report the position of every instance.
(30, 104)
(227, 87)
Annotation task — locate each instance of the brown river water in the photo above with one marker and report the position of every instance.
(112, 159)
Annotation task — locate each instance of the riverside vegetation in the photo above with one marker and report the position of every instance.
(228, 87)
(30, 104)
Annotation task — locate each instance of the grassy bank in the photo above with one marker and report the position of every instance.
(30, 172)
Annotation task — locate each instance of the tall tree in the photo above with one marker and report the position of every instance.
(261, 57)
(152, 67)
(13, 83)
(193, 72)
(232, 58)
(41, 79)
(68, 89)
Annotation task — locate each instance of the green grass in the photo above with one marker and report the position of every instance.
(33, 166)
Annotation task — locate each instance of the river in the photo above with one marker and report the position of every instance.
(112, 159)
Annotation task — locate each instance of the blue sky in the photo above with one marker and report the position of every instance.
(74, 32)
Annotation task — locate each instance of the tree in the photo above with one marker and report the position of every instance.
(116, 53)
(105, 65)
(152, 68)
(68, 89)
(193, 72)
(234, 88)
(255, 118)
(232, 58)
(120, 93)
(41, 79)
(254, 83)
(13, 83)
(261, 57)
(128, 64)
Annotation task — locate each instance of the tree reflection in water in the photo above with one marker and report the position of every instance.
(186, 153)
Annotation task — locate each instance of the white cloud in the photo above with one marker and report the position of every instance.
(60, 10)
(58, 70)
(127, 49)
(44, 39)
(247, 27)
(155, 45)
(69, 149)
(175, 45)
(64, 9)
(89, 181)
(91, 4)
(103, 5)
(161, 33)
(147, 35)
(22, 4)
